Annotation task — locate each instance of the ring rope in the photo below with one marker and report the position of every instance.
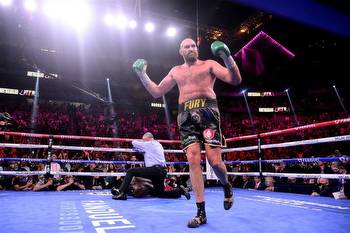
(24, 146)
(291, 130)
(76, 137)
(82, 161)
(342, 138)
(266, 146)
(297, 160)
(301, 175)
(272, 133)
(24, 160)
(104, 174)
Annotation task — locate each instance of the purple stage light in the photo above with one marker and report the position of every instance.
(260, 51)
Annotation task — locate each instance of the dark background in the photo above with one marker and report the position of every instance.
(86, 60)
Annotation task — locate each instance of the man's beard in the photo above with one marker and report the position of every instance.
(191, 58)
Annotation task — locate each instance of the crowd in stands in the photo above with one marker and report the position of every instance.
(88, 120)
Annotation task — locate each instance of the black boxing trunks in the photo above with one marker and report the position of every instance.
(199, 122)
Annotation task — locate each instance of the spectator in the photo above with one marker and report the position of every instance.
(258, 184)
(70, 183)
(269, 183)
(45, 183)
(323, 188)
(22, 183)
(247, 182)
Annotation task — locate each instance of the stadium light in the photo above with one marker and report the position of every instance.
(76, 13)
(121, 21)
(171, 31)
(109, 20)
(149, 27)
(132, 24)
(54, 9)
(6, 2)
(30, 5)
(118, 21)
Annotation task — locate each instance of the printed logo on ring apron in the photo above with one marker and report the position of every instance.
(208, 134)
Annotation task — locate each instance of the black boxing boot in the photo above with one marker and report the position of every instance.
(120, 196)
(184, 191)
(228, 201)
(115, 191)
(200, 218)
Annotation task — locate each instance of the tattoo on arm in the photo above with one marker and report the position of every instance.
(230, 63)
(233, 69)
(145, 79)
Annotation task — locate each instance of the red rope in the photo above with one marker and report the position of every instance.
(247, 137)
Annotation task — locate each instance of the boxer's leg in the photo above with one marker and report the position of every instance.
(215, 161)
(193, 153)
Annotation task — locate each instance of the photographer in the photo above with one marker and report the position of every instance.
(5, 120)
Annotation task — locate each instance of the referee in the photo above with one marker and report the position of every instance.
(155, 170)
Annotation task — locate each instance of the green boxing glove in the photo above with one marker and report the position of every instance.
(139, 64)
(218, 47)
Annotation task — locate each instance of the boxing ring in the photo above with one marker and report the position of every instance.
(95, 211)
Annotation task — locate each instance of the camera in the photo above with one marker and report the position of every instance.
(5, 119)
(5, 116)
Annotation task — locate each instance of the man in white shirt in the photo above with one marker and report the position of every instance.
(54, 166)
(155, 170)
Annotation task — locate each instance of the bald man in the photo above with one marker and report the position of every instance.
(198, 118)
(155, 170)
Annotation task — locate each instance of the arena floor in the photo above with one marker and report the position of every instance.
(95, 211)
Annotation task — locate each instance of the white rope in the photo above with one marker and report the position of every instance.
(301, 175)
(243, 173)
(343, 138)
(177, 151)
(276, 145)
(22, 173)
(93, 149)
(31, 146)
(246, 148)
(308, 142)
(103, 174)
(89, 173)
